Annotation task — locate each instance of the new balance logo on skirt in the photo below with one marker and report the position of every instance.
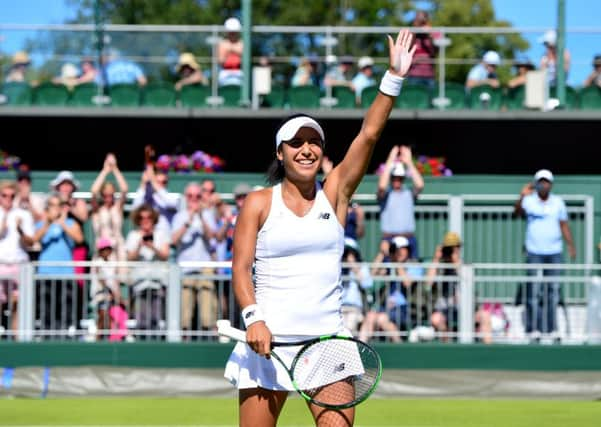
(324, 215)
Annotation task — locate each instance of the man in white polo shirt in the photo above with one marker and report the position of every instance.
(547, 223)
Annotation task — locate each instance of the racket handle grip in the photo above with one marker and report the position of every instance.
(225, 329)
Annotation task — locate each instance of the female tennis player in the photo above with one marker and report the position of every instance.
(293, 233)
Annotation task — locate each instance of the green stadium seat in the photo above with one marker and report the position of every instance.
(515, 97)
(17, 93)
(194, 96)
(159, 94)
(455, 92)
(414, 97)
(50, 94)
(276, 98)
(304, 96)
(590, 98)
(230, 94)
(345, 96)
(368, 95)
(83, 95)
(125, 95)
(571, 96)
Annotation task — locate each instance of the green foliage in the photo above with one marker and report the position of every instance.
(280, 12)
(474, 13)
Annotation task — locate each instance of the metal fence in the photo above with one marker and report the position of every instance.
(486, 224)
(156, 48)
(157, 301)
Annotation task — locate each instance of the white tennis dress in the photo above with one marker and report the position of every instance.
(297, 286)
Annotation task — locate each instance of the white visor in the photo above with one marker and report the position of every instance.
(292, 126)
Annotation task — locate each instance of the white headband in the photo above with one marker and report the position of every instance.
(291, 127)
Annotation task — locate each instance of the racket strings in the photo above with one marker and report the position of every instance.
(336, 371)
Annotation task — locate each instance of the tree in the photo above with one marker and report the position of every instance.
(474, 13)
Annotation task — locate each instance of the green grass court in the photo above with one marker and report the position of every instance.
(223, 412)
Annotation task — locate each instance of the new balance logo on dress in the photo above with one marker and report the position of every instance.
(324, 215)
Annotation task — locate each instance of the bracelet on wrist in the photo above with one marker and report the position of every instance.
(252, 314)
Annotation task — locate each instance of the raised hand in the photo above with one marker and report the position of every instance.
(405, 155)
(401, 53)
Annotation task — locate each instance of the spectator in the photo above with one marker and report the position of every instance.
(65, 186)
(105, 290)
(304, 74)
(57, 298)
(18, 72)
(338, 73)
(189, 71)
(16, 232)
(107, 210)
(422, 69)
(193, 229)
(355, 221)
(522, 66)
(117, 70)
(365, 76)
(485, 73)
(356, 279)
(89, 73)
(594, 78)
(547, 222)
(549, 59)
(229, 54)
(25, 199)
(388, 305)
(28, 201)
(68, 76)
(153, 190)
(445, 317)
(397, 203)
(147, 243)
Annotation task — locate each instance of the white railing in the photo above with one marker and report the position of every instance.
(60, 306)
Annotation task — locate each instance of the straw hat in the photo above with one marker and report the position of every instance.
(188, 59)
(451, 239)
(20, 57)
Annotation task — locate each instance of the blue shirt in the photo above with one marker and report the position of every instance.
(56, 246)
(361, 81)
(121, 71)
(397, 212)
(543, 231)
(351, 292)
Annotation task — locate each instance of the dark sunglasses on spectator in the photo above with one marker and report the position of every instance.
(195, 196)
(208, 190)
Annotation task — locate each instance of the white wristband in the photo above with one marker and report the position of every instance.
(391, 85)
(252, 314)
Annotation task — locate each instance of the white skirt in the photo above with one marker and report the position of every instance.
(246, 369)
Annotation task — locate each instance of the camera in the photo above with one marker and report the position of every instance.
(148, 238)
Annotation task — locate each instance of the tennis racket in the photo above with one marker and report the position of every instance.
(331, 371)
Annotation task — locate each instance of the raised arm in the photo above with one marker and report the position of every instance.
(345, 177)
(416, 177)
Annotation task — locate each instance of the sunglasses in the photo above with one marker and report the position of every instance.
(163, 181)
(208, 190)
(195, 196)
(8, 195)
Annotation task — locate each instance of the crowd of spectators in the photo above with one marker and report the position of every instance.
(197, 226)
(330, 71)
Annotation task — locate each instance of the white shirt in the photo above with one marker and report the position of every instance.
(11, 250)
(194, 245)
(297, 268)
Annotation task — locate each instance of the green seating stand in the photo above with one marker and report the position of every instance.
(125, 95)
(304, 96)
